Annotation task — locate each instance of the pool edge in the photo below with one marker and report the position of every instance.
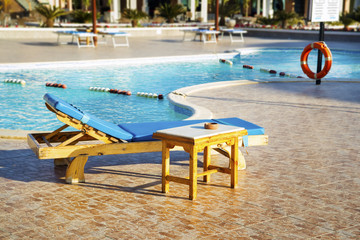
(178, 97)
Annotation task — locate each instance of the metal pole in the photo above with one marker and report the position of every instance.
(321, 38)
(217, 15)
(94, 20)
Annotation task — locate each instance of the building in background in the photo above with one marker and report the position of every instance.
(197, 9)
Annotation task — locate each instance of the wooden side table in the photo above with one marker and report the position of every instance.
(194, 139)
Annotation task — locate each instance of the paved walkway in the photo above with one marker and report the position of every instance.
(303, 185)
(40, 50)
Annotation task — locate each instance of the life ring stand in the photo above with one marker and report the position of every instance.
(328, 60)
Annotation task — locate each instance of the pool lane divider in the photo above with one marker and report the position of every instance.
(248, 66)
(150, 95)
(281, 74)
(56, 85)
(16, 81)
(118, 91)
(114, 91)
(226, 61)
(267, 70)
(128, 93)
(99, 89)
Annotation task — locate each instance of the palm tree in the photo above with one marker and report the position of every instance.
(246, 7)
(284, 16)
(5, 5)
(346, 20)
(50, 13)
(86, 4)
(356, 14)
(80, 16)
(227, 8)
(170, 11)
(134, 15)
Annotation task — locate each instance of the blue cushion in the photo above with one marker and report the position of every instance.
(144, 131)
(99, 124)
(251, 128)
(115, 33)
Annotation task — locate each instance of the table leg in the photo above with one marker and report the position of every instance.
(165, 166)
(234, 163)
(193, 174)
(207, 161)
(78, 42)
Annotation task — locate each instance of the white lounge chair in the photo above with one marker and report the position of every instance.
(207, 36)
(233, 31)
(114, 35)
(85, 39)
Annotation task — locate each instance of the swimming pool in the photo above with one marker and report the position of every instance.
(22, 107)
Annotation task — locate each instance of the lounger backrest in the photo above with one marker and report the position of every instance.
(92, 121)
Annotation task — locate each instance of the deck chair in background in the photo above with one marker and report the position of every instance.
(206, 36)
(116, 35)
(98, 137)
(83, 39)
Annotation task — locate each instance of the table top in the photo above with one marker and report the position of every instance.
(233, 30)
(201, 31)
(197, 131)
(114, 33)
(85, 34)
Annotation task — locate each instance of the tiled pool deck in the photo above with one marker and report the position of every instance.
(304, 185)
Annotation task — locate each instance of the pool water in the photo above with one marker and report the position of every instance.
(22, 107)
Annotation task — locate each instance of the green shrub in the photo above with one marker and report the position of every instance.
(170, 11)
(346, 20)
(284, 17)
(266, 21)
(80, 16)
(134, 15)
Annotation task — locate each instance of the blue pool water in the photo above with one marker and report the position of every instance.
(22, 107)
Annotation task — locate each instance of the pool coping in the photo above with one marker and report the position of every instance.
(178, 97)
(104, 62)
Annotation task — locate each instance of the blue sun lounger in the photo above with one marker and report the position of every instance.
(64, 147)
(83, 39)
(207, 36)
(232, 32)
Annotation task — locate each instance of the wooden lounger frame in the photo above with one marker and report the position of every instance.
(61, 146)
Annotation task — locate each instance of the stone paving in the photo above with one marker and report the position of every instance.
(304, 185)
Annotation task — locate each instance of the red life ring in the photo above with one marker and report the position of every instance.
(328, 60)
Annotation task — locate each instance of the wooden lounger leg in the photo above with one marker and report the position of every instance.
(61, 161)
(241, 158)
(75, 171)
(242, 161)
